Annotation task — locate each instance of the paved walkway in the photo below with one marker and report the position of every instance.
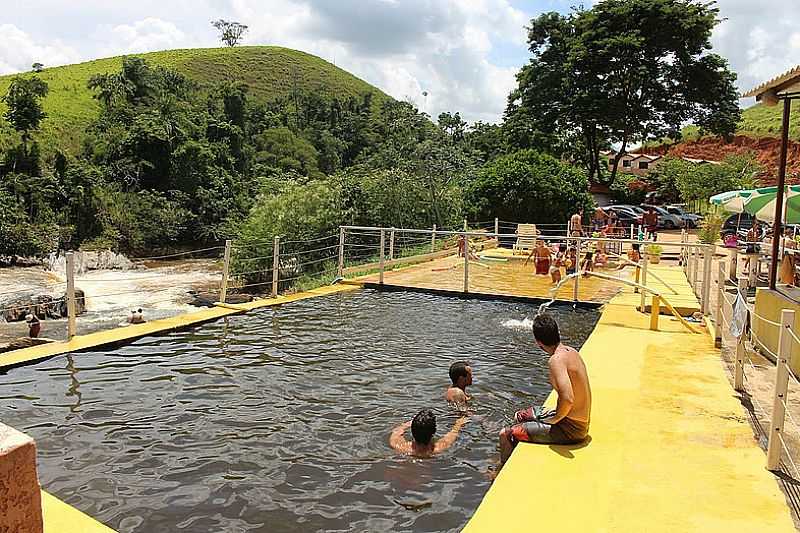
(670, 448)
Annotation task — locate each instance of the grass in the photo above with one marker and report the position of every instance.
(762, 121)
(270, 71)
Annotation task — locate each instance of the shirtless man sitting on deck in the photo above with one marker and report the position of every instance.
(569, 423)
(423, 427)
(461, 377)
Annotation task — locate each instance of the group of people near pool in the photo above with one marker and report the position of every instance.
(568, 423)
(551, 260)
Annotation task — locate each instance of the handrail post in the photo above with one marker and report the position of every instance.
(433, 239)
(577, 268)
(465, 225)
(655, 310)
(781, 383)
(381, 255)
(496, 228)
(391, 244)
(644, 283)
(706, 299)
(632, 234)
(340, 271)
(226, 266)
(276, 260)
(71, 325)
(695, 268)
(738, 368)
(466, 262)
(720, 303)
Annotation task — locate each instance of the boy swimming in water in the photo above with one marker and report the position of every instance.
(461, 378)
(423, 427)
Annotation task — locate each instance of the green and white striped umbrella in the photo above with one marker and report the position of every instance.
(761, 203)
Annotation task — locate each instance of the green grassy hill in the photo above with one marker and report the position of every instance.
(762, 121)
(270, 71)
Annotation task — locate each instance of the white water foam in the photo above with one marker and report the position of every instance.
(524, 324)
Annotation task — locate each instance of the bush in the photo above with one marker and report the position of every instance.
(710, 228)
(528, 186)
(628, 189)
(32, 240)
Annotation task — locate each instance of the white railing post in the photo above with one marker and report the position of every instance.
(381, 254)
(633, 236)
(71, 324)
(276, 261)
(391, 244)
(718, 322)
(466, 262)
(577, 269)
(643, 281)
(340, 271)
(695, 268)
(706, 299)
(433, 239)
(781, 384)
(738, 368)
(465, 225)
(496, 227)
(226, 267)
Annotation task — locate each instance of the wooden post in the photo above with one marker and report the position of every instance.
(718, 322)
(706, 292)
(496, 228)
(466, 263)
(738, 369)
(276, 260)
(577, 269)
(733, 257)
(381, 254)
(433, 239)
(655, 310)
(644, 282)
(71, 324)
(638, 273)
(340, 272)
(391, 244)
(226, 267)
(776, 225)
(781, 384)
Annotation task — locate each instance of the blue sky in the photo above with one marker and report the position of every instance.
(463, 53)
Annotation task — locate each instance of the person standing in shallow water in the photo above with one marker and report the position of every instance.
(569, 422)
(423, 428)
(576, 224)
(461, 378)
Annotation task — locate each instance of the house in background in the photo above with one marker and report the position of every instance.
(641, 164)
(601, 194)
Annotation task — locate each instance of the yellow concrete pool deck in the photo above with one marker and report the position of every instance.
(59, 517)
(670, 447)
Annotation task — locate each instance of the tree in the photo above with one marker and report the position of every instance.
(624, 71)
(230, 32)
(25, 112)
(37, 67)
(528, 186)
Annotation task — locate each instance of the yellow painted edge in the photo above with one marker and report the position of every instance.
(59, 517)
(135, 331)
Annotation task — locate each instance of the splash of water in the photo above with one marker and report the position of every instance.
(512, 323)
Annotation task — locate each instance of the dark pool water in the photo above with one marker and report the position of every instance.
(278, 421)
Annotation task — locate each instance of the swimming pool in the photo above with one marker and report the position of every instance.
(278, 420)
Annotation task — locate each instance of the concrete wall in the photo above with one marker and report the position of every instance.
(20, 494)
(769, 305)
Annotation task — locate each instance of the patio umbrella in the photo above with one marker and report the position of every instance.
(761, 203)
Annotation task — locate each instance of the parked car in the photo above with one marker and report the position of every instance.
(691, 220)
(666, 219)
(740, 224)
(627, 211)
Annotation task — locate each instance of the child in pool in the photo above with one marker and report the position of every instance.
(423, 427)
(461, 378)
(601, 259)
(558, 262)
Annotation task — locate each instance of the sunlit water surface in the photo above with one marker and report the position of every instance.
(279, 420)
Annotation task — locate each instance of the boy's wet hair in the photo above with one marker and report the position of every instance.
(545, 330)
(457, 370)
(423, 426)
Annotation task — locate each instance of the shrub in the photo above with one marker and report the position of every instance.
(710, 228)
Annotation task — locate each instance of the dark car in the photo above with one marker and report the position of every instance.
(740, 224)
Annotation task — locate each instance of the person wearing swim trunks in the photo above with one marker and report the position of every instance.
(461, 378)
(571, 261)
(569, 422)
(576, 224)
(541, 258)
(555, 268)
(423, 427)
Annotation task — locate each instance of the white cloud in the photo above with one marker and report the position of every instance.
(18, 51)
(146, 35)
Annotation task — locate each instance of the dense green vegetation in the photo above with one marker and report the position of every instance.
(270, 72)
(763, 121)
